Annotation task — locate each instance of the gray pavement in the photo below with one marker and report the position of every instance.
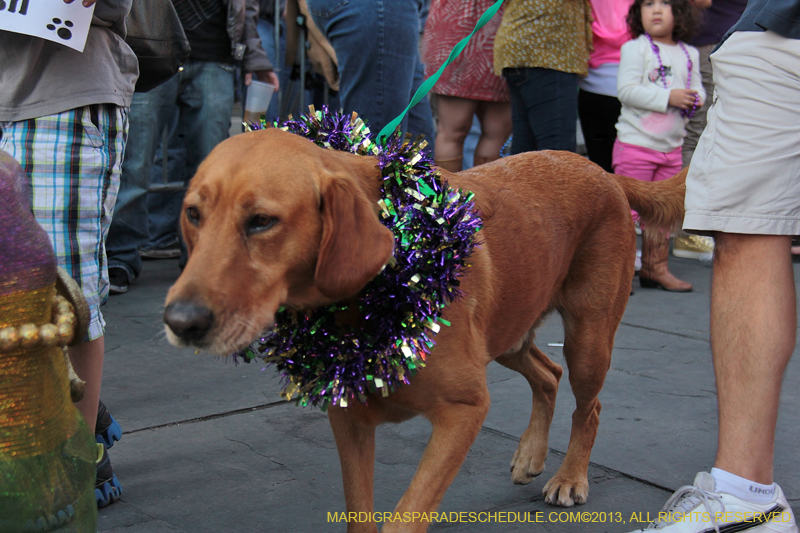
(209, 446)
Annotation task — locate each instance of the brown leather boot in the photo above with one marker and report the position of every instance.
(654, 272)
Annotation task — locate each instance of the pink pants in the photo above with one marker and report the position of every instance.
(644, 164)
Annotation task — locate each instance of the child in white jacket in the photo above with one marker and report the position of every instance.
(660, 88)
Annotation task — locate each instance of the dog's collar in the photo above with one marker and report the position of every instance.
(434, 227)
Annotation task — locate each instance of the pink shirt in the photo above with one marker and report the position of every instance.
(609, 29)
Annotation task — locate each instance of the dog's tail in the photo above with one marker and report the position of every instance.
(659, 203)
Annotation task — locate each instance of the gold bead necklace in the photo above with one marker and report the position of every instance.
(57, 333)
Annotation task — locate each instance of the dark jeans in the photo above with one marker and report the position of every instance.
(599, 114)
(164, 206)
(544, 109)
(379, 64)
(203, 92)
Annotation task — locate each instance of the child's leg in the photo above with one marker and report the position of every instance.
(655, 272)
(74, 167)
(635, 162)
(671, 164)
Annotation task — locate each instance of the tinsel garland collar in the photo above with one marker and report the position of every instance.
(434, 226)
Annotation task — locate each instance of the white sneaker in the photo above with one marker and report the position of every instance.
(698, 509)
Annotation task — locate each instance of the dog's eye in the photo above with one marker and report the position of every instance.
(193, 214)
(259, 223)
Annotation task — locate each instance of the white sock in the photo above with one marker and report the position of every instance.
(742, 488)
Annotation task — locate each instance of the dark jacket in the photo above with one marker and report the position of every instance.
(245, 43)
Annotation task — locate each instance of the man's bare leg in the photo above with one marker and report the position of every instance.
(87, 359)
(753, 330)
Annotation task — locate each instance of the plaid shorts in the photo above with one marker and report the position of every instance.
(73, 161)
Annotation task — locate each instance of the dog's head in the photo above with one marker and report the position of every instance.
(271, 219)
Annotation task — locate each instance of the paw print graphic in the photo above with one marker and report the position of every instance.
(61, 28)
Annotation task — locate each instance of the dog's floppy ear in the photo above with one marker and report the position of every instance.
(355, 245)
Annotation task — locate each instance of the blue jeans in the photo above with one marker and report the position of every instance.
(163, 206)
(544, 109)
(203, 92)
(379, 64)
(266, 31)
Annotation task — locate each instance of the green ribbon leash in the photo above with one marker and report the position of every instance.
(428, 84)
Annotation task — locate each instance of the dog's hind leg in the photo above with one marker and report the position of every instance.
(543, 376)
(355, 442)
(591, 302)
(587, 349)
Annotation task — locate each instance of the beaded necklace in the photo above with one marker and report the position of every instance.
(58, 332)
(685, 113)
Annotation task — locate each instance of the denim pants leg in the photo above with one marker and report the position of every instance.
(544, 109)
(206, 103)
(205, 100)
(376, 47)
(128, 231)
(162, 201)
(266, 31)
(420, 117)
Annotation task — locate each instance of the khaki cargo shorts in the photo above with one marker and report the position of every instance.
(745, 173)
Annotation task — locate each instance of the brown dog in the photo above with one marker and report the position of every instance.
(270, 219)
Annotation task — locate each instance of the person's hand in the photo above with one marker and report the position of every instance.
(682, 98)
(267, 76)
(86, 3)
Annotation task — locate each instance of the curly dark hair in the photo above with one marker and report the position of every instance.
(684, 12)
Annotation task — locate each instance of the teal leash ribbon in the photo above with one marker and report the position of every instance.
(428, 84)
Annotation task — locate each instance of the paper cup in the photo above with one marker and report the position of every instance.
(258, 96)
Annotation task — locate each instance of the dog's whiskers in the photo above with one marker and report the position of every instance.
(236, 328)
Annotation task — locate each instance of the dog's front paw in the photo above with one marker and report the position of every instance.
(566, 493)
(527, 463)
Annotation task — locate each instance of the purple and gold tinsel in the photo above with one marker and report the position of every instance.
(435, 230)
(47, 453)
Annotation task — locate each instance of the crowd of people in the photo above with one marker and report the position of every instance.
(658, 86)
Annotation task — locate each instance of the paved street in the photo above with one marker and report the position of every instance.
(209, 446)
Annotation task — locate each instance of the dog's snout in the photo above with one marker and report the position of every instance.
(188, 320)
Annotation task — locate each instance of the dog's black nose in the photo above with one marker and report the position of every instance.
(188, 320)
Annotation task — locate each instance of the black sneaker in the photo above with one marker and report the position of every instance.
(107, 489)
(106, 429)
(118, 281)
